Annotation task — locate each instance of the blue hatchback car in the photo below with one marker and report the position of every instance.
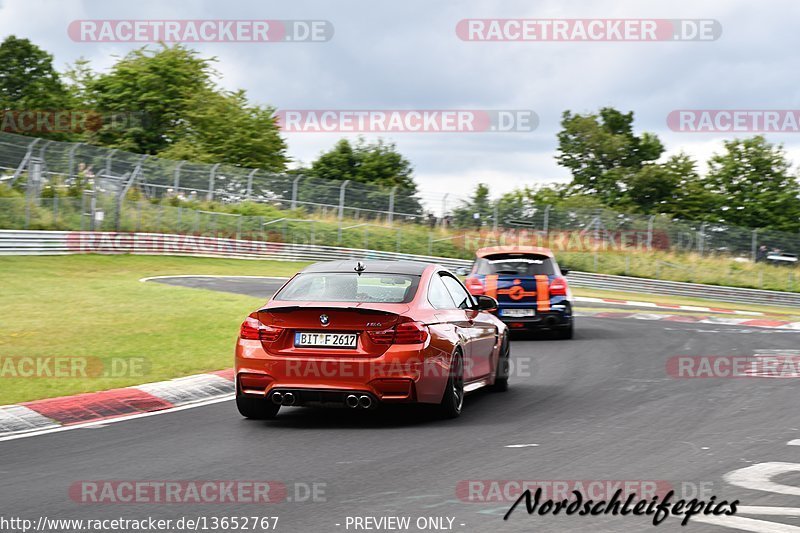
(528, 285)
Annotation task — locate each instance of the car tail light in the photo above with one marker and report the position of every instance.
(405, 333)
(411, 333)
(558, 287)
(249, 328)
(269, 333)
(384, 336)
(253, 329)
(475, 286)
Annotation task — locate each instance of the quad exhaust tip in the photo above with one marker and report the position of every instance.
(351, 401)
(363, 401)
(283, 398)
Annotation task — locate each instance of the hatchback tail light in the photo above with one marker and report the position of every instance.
(475, 286)
(405, 333)
(252, 328)
(558, 287)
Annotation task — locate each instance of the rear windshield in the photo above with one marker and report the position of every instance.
(516, 265)
(350, 287)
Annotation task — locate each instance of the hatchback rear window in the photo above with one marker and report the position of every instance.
(516, 265)
(350, 287)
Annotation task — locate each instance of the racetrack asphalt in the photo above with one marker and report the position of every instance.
(599, 407)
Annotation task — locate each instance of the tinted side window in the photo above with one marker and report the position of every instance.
(458, 292)
(438, 295)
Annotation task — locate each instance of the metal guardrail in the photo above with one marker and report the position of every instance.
(14, 242)
(41, 165)
(679, 288)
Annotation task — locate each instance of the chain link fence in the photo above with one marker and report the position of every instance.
(657, 231)
(304, 208)
(114, 172)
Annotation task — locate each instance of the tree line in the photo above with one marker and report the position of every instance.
(750, 183)
(166, 102)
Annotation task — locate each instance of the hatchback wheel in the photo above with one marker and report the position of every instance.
(566, 332)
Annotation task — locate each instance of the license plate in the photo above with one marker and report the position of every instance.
(307, 339)
(518, 313)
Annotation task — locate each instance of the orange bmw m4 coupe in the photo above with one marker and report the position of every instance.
(360, 334)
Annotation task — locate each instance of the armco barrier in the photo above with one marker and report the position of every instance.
(678, 288)
(74, 242)
(14, 242)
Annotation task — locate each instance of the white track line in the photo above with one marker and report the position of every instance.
(767, 510)
(746, 524)
(760, 477)
(634, 303)
(104, 422)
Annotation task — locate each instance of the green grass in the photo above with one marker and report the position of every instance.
(95, 306)
(688, 267)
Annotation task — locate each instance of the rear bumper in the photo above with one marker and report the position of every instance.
(554, 318)
(398, 376)
(323, 397)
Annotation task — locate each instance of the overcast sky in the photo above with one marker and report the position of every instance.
(406, 55)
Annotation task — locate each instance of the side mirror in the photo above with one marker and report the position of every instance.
(564, 271)
(462, 271)
(486, 303)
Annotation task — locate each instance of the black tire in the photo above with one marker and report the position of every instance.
(566, 332)
(453, 399)
(256, 408)
(503, 362)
